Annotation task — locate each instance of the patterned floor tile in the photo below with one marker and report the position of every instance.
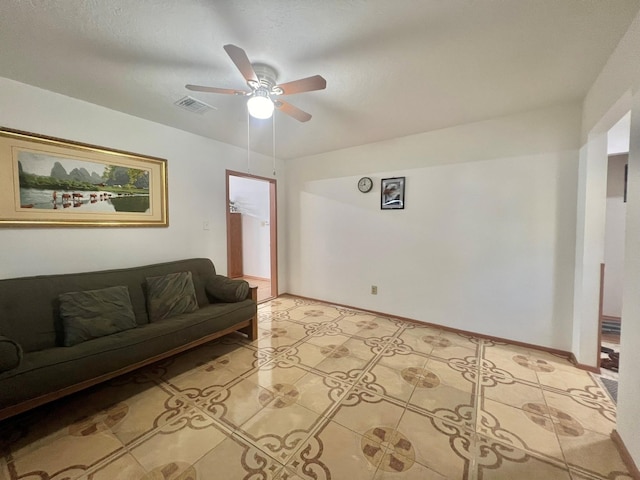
(400, 355)
(419, 340)
(560, 362)
(281, 333)
(594, 453)
(179, 444)
(271, 342)
(495, 461)
(320, 394)
(277, 372)
(124, 467)
(38, 428)
(388, 382)
(369, 326)
(335, 452)
(517, 365)
(513, 393)
(416, 472)
(585, 475)
(531, 429)
(452, 350)
(438, 445)
(70, 455)
(202, 381)
(329, 337)
(359, 410)
(444, 401)
(588, 414)
(139, 409)
(310, 355)
(287, 474)
(235, 458)
(565, 379)
(234, 405)
(313, 312)
(450, 373)
(348, 368)
(183, 365)
(461, 339)
(279, 428)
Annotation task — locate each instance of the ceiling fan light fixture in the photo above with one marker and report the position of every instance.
(260, 105)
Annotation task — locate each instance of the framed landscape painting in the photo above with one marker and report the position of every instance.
(46, 181)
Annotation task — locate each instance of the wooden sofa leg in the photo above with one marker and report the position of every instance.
(252, 329)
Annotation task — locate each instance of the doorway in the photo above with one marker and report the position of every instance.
(252, 232)
(614, 246)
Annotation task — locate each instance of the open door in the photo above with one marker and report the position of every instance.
(252, 231)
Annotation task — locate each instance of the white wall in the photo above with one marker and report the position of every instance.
(614, 237)
(251, 197)
(628, 423)
(615, 92)
(590, 227)
(485, 243)
(196, 175)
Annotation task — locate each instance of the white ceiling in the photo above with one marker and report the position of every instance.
(393, 68)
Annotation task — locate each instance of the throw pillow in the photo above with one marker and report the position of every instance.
(95, 313)
(10, 354)
(170, 295)
(226, 289)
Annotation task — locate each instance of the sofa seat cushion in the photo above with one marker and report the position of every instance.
(55, 368)
(10, 354)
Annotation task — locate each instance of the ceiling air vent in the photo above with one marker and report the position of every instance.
(192, 105)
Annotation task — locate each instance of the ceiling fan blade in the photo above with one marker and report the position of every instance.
(309, 84)
(240, 59)
(292, 111)
(228, 91)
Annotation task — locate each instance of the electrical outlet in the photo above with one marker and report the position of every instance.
(205, 225)
(374, 289)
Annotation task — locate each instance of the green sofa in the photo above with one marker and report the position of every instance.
(36, 368)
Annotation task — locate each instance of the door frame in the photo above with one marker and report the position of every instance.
(273, 223)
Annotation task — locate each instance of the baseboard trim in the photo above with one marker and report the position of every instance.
(626, 456)
(553, 351)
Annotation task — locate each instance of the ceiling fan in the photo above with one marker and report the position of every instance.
(264, 94)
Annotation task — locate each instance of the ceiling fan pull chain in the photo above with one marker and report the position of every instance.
(248, 143)
(273, 143)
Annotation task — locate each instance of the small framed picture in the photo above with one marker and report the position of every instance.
(392, 193)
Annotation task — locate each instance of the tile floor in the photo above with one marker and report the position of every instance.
(327, 393)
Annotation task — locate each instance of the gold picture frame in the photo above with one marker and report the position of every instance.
(47, 181)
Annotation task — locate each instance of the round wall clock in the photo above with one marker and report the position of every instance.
(365, 184)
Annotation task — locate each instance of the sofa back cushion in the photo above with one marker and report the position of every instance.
(30, 307)
(95, 313)
(170, 295)
(10, 354)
